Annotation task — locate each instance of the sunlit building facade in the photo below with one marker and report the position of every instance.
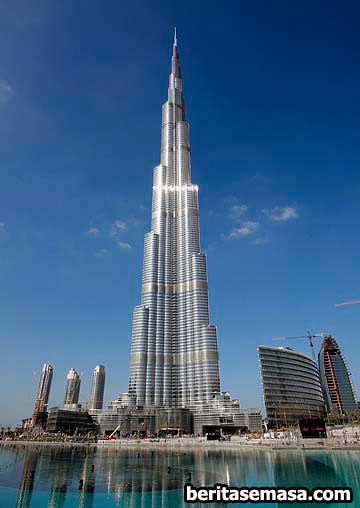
(291, 386)
(174, 351)
(73, 382)
(336, 381)
(42, 395)
(97, 389)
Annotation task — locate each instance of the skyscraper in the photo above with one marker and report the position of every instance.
(72, 387)
(97, 390)
(338, 389)
(291, 386)
(42, 396)
(174, 352)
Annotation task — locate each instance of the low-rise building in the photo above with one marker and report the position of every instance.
(142, 421)
(225, 415)
(70, 421)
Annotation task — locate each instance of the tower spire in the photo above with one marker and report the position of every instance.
(175, 66)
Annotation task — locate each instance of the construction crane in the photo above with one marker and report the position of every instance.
(353, 302)
(309, 336)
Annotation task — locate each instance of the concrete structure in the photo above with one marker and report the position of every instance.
(42, 395)
(291, 386)
(251, 419)
(174, 351)
(70, 421)
(336, 381)
(224, 415)
(72, 388)
(98, 386)
(144, 422)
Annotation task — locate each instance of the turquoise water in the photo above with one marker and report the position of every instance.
(48, 476)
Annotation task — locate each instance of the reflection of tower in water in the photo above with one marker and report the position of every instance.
(304, 469)
(59, 483)
(57, 494)
(149, 479)
(87, 483)
(26, 485)
(140, 478)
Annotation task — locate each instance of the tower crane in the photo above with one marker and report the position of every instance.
(309, 336)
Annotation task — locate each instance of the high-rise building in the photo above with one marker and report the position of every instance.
(174, 351)
(338, 389)
(72, 387)
(42, 396)
(97, 390)
(291, 386)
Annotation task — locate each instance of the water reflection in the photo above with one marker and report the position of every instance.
(87, 482)
(59, 482)
(26, 485)
(80, 476)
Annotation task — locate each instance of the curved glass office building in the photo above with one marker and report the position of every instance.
(291, 386)
(339, 392)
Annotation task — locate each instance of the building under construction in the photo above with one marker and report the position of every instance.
(42, 396)
(336, 381)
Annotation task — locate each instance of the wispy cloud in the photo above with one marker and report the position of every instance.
(93, 232)
(2, 227)
(100, 253)
(124, 245)
(237, 211)
(281, 214)
(6, 91)
(254, 224)
(259, 241)
(246, 229)
(117, 228)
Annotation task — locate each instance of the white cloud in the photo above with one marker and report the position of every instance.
(124, 245)
(281, 214)
(116, 228)
(2, 226)
(238, 211)
(93, 232)
(246, 229)
(6, 91)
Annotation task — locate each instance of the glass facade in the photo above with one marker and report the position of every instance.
(98, 386)
(291, 386)
(174, 351)
(339, 392)
(73, 382)
(42, 396)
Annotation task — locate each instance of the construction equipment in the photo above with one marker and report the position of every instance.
(353, 302)
(124, 420)
(309, 336)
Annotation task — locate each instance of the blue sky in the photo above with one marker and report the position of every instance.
(272, 94)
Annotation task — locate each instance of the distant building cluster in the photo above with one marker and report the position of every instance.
(44, 416)
(295, 389)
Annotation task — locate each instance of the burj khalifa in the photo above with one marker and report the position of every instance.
(174, 351)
